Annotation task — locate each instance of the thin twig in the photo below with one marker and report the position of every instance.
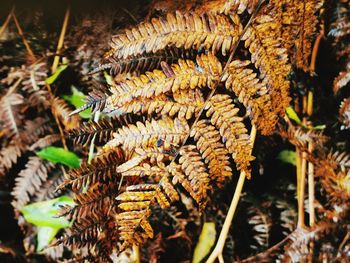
(63, 139)
(24, 40)
(217, 252)
(60, 41)
(7, 21)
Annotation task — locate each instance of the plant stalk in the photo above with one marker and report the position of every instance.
(217, 252)
(20, 33)
(7, 21)
(60, 41)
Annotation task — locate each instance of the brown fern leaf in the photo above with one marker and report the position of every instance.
(298, 26)
(214, 153)
(83, 234)
(34, 85)
(31, 131)
(344, 113)
(224, 117)
(30, 180)
(10, 116)
(300, 136)
(133, 225)
(253, 94)
(213, 32)
(184, 75)
(48, 189)
(334, 172)
(96, 100)
(99, 198)
(60, 108)
(101, 131)
(342, 79)
(270, 58)
(147, 135)
(162, 105)
(228, 6)
(194, 176)
(101, 170)
(144, 62)
(45, 141)
(9, 155)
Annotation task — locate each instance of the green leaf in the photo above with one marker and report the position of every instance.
(108, 79)
(45, 236)
(205, 243)
(287, 156)
(56, 74)
(293, 115)
(319, 127)
(59, 155)
(77, 99)
(44, 213)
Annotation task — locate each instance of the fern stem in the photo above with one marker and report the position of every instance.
(7, 21)
(63, 139)
(60, 40)
(217, 252)
(20, 33)
(302, 181)
(136, 251)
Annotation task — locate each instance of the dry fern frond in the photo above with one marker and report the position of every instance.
(342, 79)
(10, 116)
(181, 76)
(194, 176)
(147, 134)
(144, 62)
(270, 58)
(216, 156)
(101, 131)
(214, 32)
(60, 108)
(34, 85)
(298, 25)
(29, 180)
(133, 225)
(224, 117)
(101, 170)
(334, 171)
(45, 141)
(344, 113)
(253, 94)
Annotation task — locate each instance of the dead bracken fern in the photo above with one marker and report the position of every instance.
(186, 117)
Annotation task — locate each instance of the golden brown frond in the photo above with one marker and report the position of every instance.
(147, 134)
(193, 176)
(270, 58)
(29, 180)
(133, 225)
(228, 6)
(214, 153)
(253, 94)
(184, 75)
(213, 32)
(224, 117)
(298, 24)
